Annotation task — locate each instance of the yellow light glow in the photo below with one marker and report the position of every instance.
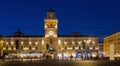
(60, 55)
(4, 48)
(22, 42)
(74, 54)
(79, 42)
(65, 55)
(26, 48)
(118, 55)
(21, 56)
(33, 48)
(89, 40)
(12, 42)
(9, 48)
(93, 55)
(14, 48)
(84, 40)
(93, 42)
(76, 48)
(81, 48)
(73, 42)
(36, 43)
(6, 42)
(96, 48)
(42, 42)
(2, 41)
(91, 48)
(30, 42)
(69, 48)
(65, 42)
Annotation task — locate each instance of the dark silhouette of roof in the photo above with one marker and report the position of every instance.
(18, 33)
(76, 36)
(26, 36)
(1, 36)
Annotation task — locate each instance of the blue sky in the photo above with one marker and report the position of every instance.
(92, 17)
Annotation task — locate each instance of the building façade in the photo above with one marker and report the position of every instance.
(113, 39)
(50, 45)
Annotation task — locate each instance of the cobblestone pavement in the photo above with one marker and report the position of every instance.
(60, 63)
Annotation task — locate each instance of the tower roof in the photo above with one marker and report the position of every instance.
(51, 10)
(50, 14)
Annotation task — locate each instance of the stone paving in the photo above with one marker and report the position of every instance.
(60, 63)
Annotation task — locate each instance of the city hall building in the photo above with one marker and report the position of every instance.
(50, 45)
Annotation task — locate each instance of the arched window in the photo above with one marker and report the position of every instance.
(6, 47)
(65, 47)
(79, 47)
(50, 41)
(36, 47)
(93, 47)
(73, 47)
(30, 47)
(12, 47)
(17, 44)
(87, 47)
(21, 48)
(83, 45)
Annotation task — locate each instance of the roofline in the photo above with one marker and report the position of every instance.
(111, 35)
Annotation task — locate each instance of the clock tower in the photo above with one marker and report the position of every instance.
(51, 24)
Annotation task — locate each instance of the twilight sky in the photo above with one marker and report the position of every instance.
(92, 17)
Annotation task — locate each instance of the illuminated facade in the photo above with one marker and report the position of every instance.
(112, 39)
(1, 47)
(51, 45)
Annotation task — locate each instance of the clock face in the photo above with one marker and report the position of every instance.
(51, 32)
